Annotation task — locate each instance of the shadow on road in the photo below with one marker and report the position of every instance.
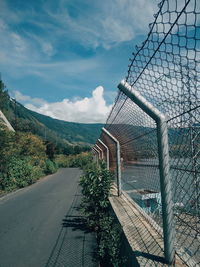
(75, 245)
(76, 223)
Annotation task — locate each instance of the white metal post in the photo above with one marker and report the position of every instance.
(118, 160)
(165, 178)
(100, 150)
(107, 152)
(98, 155)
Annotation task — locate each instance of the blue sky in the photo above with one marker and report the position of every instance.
(65, 58)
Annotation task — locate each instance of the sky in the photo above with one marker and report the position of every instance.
(65, 58)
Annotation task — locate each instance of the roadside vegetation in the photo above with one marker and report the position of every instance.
(26, 157)
(68, 137)
(38, 147)
(96, 184)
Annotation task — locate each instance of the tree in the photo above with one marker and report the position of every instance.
(4, 97)
(50, 150)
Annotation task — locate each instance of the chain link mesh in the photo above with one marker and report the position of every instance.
(165, 69)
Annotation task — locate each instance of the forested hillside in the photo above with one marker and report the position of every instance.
(66, 136)
(39, 146)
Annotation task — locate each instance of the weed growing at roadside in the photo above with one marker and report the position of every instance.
(96, 184)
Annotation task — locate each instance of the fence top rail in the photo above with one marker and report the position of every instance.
(96, 150)
(103, 144)
(134, 95)
(110, 135)
(98, 147)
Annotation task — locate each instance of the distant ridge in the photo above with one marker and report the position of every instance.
(59, 132)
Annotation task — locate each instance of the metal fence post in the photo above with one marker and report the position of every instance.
(100, 150)
(166, 190)
(107, 152)
(118, 160)
(165, 178)
(97, 153)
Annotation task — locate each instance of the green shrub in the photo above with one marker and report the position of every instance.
(96, 184)
(51, 167)
(7, 183)
(109, 241)
(80, 160)
(19, 173)
(62, 161)
(37, 172)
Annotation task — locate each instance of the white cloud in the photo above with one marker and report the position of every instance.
(27, 99)
(34, 50)
(103, 23)
(86, 110)
(47, 48)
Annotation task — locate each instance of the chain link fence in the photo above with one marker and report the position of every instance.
(165, 70)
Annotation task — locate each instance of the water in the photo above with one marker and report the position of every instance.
(144, 175)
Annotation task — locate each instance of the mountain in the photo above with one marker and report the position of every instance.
(71, 131)
(59, 132)
(45, 126)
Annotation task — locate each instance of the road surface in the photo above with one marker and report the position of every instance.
(41, 225)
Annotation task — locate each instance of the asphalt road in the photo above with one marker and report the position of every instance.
(41, 225)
